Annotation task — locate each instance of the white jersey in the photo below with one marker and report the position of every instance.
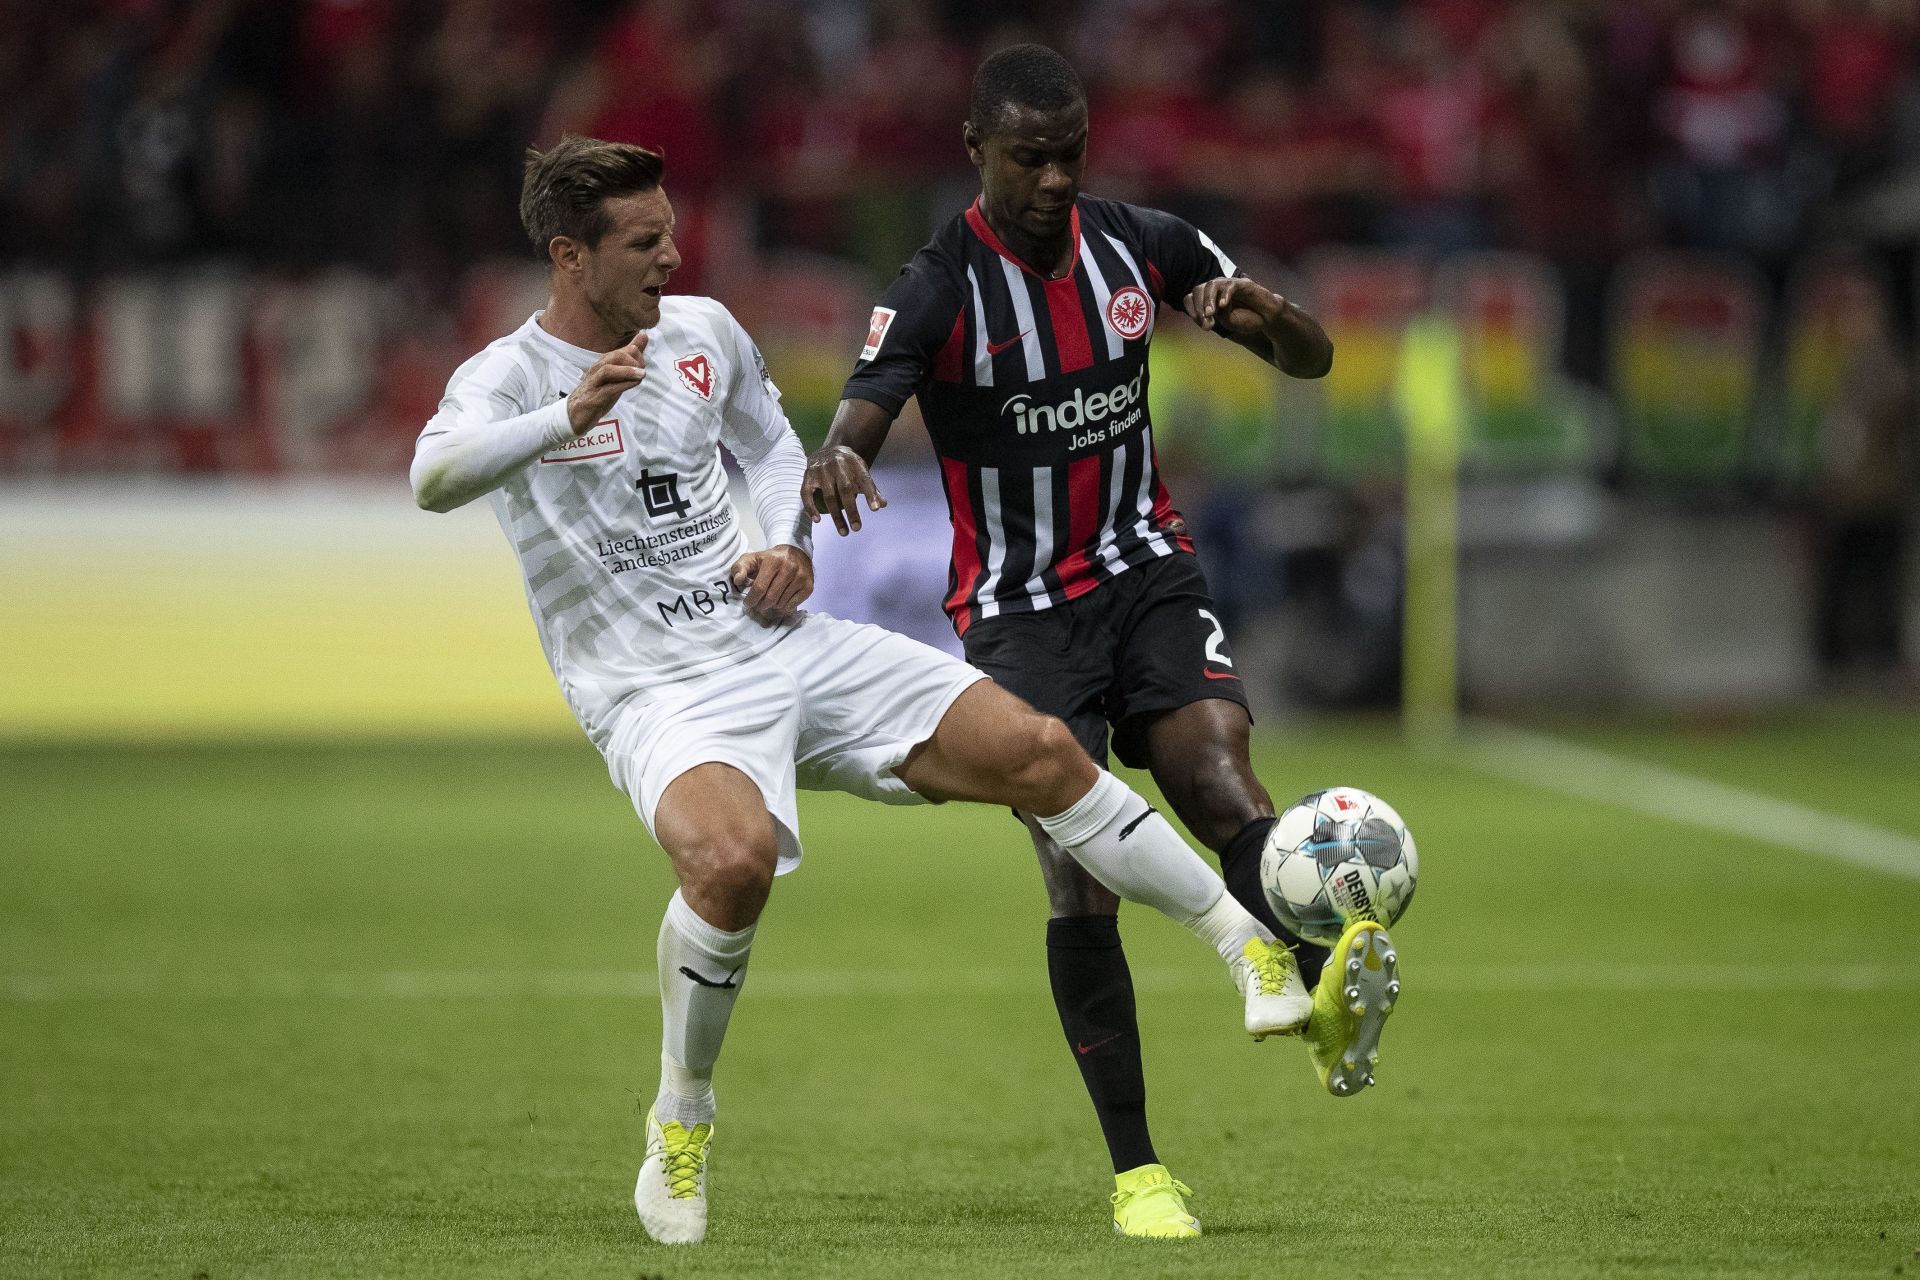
(625, 534)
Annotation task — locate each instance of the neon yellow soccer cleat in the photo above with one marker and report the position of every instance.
(671, 1194)
(1357, 990)
(1150, 1203)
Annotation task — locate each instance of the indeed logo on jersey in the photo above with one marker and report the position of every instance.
(1089, 411)
(602, 440)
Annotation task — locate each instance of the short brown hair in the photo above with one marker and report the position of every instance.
(566, 187)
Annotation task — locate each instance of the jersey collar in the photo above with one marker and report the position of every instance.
(977, 219)
(579, 355)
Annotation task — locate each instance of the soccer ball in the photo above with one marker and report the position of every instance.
(1334, 857)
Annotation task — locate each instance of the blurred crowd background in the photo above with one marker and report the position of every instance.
(387, 133)
(252, 237)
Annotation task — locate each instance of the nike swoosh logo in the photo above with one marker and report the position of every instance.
(1219, 675)
(1084, 1049)
(995, 348)
(728, 984)
(1128, 829)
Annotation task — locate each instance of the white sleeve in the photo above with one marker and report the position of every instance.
(757, 434)
(478, 438)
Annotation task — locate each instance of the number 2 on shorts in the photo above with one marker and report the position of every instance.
(1214, 652)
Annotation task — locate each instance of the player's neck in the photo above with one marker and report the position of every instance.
(572, 320)
(1049, 259)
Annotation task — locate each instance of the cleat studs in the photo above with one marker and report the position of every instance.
(1357, 1008)
(1393, 989)
(1353, 993)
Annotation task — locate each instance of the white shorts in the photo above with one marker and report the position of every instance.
(834, 706)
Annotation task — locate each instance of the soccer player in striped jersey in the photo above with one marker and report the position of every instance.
(594, 430)
(1023, 328)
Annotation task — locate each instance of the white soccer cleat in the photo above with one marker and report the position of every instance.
(1277, 1000)
(671, 1194)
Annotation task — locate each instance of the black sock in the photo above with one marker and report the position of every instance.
(1240, 868)
(1093, 990)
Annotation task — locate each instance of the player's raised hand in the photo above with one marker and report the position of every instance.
(774, 582)
(837, 477)
(1233, 305)
(610, 377)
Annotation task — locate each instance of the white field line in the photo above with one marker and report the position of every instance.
(829, 984)
(1589, 774)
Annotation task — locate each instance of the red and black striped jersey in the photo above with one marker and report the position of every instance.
(1035, 394)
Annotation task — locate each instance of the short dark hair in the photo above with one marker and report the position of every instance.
(565, 188)
(1022, 75)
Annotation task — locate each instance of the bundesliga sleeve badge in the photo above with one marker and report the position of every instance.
(877, 331)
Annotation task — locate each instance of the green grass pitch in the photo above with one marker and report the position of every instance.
(324, 1009)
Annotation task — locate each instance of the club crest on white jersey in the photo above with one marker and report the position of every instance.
(696, 371)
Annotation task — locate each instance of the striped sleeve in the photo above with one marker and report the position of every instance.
(914, 320)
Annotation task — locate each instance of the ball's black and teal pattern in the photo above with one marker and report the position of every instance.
(1337, 856)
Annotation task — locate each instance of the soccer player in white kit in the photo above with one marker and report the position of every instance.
(594, 430)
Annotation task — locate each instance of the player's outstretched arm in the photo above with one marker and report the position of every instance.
(1278, 331)
(838, 472)
(466, 451)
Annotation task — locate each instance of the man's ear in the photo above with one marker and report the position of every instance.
(975, 144)
(564, 253)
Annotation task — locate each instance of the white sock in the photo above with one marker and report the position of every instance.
(1127, 846)
(683, 1096)
(694, 1009)
(1226, 926)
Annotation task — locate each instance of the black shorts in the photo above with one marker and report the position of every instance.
(1127, 652)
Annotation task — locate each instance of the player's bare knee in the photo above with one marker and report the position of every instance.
(1045, 765)
(732, 867)
(1210, 793)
